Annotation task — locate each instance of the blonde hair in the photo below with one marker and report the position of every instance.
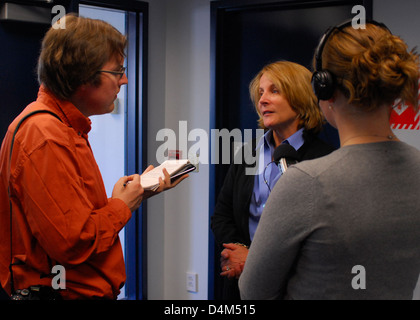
(72, 56)
(294, 83)
(372, 67)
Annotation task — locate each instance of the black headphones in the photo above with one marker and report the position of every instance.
(323, 81)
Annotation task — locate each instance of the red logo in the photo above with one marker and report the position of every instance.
(403, 116)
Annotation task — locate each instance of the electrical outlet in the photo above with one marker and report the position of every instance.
(192, 279)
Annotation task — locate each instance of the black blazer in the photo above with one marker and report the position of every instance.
(230, 221)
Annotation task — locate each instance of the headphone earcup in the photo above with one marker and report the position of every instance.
(323, 84)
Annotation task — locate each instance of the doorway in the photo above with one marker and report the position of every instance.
(247, 35)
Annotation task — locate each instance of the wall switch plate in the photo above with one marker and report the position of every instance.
(192, 281)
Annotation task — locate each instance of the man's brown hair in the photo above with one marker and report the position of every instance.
(72, 56)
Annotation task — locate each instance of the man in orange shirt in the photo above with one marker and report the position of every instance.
(58, 206)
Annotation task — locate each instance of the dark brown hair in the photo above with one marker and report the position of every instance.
(72, 56)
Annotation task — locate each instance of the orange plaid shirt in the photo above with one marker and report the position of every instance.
(61, 213)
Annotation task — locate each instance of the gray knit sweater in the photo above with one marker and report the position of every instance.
(345, 226)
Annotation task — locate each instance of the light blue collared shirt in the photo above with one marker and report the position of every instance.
(271, 174)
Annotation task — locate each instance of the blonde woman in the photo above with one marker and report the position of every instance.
(288, 111)
(347, 226)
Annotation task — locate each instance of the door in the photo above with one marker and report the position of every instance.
(21, 42)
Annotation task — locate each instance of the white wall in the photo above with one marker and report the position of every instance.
(179, 90)
(156, 120)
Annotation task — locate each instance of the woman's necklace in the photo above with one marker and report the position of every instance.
(389, 137)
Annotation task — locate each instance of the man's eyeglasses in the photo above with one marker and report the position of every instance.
(119, 73)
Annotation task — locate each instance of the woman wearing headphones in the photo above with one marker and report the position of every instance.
(349, 222)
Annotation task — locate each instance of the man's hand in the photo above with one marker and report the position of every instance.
(164, 184)
(129, 190)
